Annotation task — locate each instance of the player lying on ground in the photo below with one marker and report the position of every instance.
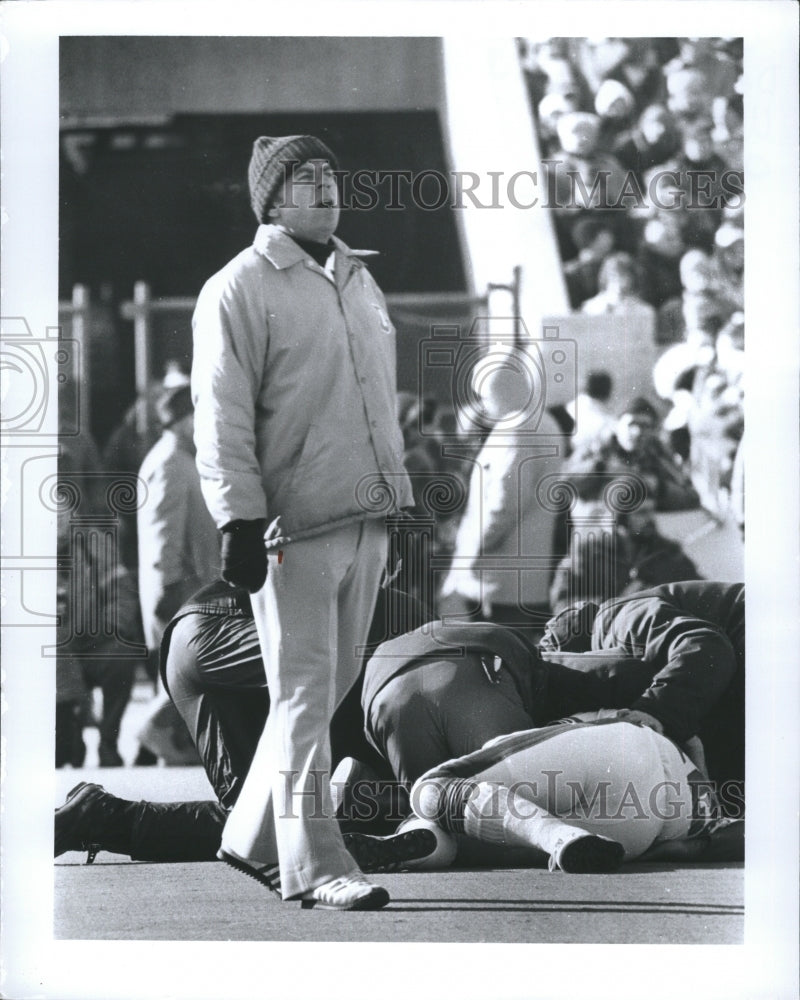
(674, 655)
(581, 796)
(420, 710)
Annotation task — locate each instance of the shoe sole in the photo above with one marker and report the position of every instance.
(270, 881)
(591, 856)
(376, 899)
(389, 854)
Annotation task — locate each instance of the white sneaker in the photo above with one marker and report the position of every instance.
(350, 892)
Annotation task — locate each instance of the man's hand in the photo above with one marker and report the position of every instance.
(243, 554)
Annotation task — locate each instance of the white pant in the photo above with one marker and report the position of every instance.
(619, 780)
(312, 615)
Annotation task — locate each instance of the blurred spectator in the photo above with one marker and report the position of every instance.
(178, 542)
(701, 280)
(634, 447)
(627, 557)
(737, 488)
(693, 179)
(99, 657)
(594, 239)
(675, 371)
(712, 57)
(550, 111)
(653, 140)
(715, 419)
(688, 96)
(640, 70)
(551, 67)
(615, 106)
(729, 252)
(505, 520)
(590, 410)
(728, 134)
(659, 256)
(97, 607)
(583, 175)
(592, 570)
(178, 553)
(618, 281)
(128, 444)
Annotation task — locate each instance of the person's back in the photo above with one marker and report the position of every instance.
(177, 539)
(505, 521)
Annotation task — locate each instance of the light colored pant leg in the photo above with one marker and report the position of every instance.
(608, 780)
(312, 614)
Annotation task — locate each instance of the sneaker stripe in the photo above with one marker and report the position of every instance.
(268, 875)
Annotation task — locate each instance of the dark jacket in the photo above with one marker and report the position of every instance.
(550, 684)
(690, 635)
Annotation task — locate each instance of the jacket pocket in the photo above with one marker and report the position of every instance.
(307, 455)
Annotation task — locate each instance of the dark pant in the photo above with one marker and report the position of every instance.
(215, 676)
(114, 677)
(442, 709)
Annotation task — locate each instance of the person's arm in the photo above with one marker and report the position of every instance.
(230, 344)
(700, 664)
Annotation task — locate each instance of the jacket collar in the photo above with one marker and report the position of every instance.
(282, 251)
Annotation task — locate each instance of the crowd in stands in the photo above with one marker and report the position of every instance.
(642, 142)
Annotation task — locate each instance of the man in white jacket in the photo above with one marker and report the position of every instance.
(504, 554)
(298, 449)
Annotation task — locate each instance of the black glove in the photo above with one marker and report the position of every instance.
(243, 555)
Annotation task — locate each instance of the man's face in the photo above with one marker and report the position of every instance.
(307, 206)
(633, 431)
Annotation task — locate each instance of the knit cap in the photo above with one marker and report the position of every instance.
(609, 92)
(574, 126)
(570, 631)
(272, 156)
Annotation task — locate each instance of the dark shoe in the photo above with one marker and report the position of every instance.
(351, 892)
(725, 841)
(365, 803)
(587, 854)
(267, 875)
(389, 854)
(78, 821)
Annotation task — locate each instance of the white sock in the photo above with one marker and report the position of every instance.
(494, 815)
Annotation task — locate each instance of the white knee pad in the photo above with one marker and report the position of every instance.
(427, 796)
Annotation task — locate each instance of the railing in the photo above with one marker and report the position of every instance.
(78, 309)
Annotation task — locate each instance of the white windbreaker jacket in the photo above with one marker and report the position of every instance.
(294, 387)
